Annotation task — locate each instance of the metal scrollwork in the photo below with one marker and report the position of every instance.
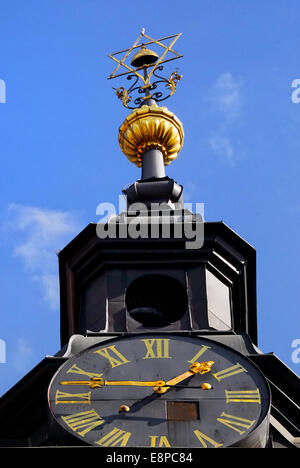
(171, 83)
(123, 94)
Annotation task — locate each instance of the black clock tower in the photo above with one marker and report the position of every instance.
(158, 314)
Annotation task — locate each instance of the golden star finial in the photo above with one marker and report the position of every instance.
(143, 65)
(162, 59)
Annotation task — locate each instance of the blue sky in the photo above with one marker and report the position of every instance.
(60, 156)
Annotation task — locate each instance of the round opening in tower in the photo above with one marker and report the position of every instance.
(156, 300)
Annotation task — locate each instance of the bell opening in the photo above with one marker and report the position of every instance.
(156, 300)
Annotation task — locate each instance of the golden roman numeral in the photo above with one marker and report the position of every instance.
(159, 441)
(157, 348)
(114, 437)
(223, 374)
(77, 370)
(83, 422)
(204, 439)
(63, 397)
(113, 355)
(246, 396)
(202, 351)
(235, 422)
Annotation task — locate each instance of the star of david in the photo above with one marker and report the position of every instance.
(162, 59)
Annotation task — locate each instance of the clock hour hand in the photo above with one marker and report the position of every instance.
(97, 382)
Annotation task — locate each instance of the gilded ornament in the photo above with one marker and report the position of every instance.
(151, 127)
(172, 82)
(123, 94)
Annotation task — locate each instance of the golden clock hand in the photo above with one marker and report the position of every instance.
(195, 368)
(159, 386)
(97, 382)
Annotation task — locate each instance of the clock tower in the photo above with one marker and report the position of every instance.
(158, 312)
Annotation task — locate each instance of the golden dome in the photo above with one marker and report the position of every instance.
(151, 127)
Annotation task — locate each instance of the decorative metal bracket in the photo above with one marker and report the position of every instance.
(125, 95)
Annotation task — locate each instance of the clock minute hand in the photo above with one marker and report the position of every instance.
(195, 368)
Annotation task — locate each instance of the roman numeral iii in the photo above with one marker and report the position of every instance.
(243, 396)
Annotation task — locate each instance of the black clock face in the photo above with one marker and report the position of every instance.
(158, 390)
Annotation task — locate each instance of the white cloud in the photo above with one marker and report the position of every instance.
(39, 235)
(225, 149)
(222, 147)
(226, 101)
(2, 91)
(226, 96)
(23, 355)
(50, 284)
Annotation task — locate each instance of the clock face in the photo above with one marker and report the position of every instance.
(159, 390)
